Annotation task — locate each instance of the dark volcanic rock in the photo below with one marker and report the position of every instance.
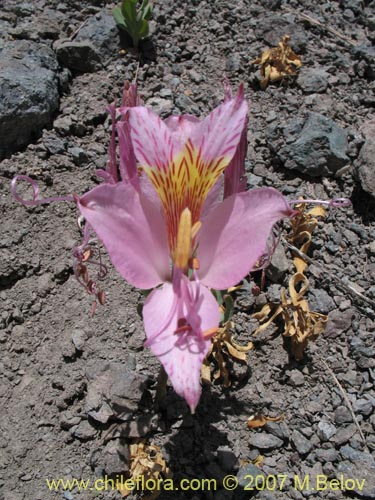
(79, 56)
(313, 80)
(315, 146)
(102, 31)
(28, 93)
(366, 166)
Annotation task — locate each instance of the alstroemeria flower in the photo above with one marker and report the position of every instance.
(182, 244)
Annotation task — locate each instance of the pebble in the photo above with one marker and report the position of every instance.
(343, 415)
(84, 431)
(263, 441)
(296, 378)
(326, 431)
(302, 445)
(313, 80)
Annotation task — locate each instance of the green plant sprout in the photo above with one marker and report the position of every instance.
(133, 19)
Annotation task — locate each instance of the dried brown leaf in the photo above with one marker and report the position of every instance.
(256, 421)
(277, 63)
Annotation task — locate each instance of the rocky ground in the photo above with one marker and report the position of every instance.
(76, 389)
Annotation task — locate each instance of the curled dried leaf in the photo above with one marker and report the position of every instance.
(278, 63)
(256, 421)
(223, 351)
(146, 460)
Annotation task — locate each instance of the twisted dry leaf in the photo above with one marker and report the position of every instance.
(278, 63)
(146, 460)
(224, 349)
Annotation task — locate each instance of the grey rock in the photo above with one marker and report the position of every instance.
(102, 32)
(226, 458)
(344, 434)
(296, 378)
(160, 106)
(338, 322)
(320, 301)
(115, 457)
(315, 146)
(279, 264)
(327, 455)
(79, 56)
(84, 431)
(114, 391)
(343, 415)
(79, 338)
(358, 465)
(313, 80)
(248, 473)
(185, 104)
(28, 93)
(326, 431)
(278, 429)
(302, 445)
(274, 27)
(233, 63)
(264, 441)
(53, 144)
(79, 156)
(364, 406)
(365, 167)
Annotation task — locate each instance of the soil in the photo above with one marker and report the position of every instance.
(53, 349)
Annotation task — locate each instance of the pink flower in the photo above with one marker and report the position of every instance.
(183, 242)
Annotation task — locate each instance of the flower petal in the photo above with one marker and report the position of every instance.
(133, 231)
(153, 142)
(234, 235)
(181, 354)
(218, 135)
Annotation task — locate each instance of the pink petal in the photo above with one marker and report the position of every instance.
(128, 164)
(214, 197)
(133, 231)
(234, 235)
(218, 135)
(181, 354)
(182, 126)
(234, 174)
(153, 142)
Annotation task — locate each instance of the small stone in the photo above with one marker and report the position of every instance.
(233, 63)
(244, 476)
(344, 434)
(79, 156)
(296, 378)
(313, 80)
(315, 146)
(84, 431)
(302, 445)
(326, 431)
(279, 264)
(79, 56)
(115, 458)
(264, 441)
(364, 406)
(327, 455)
(320, 301)
(160, 106)
(343, 415)
(53, 144)
(79, 338)
(278, 429)
(226, 458)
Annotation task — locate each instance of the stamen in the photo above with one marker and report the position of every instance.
(195, 229)
(194, 263)
(183, 246)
